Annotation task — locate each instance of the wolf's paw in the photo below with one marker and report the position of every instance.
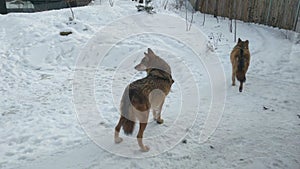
(118, 140)
(233, 84)
(159, 121)
(240, 89)
(145, 149)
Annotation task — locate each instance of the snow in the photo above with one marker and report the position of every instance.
(40, 121)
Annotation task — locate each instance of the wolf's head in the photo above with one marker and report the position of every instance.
(152, 61)
(243, 44)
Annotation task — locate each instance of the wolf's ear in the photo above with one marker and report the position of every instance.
(140, 67)
(247, 43)
(150, 52)
(239, 40)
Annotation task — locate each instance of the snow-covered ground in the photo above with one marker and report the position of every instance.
(260, 127)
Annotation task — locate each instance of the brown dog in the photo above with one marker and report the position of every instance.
(143, 94)
(240, 60)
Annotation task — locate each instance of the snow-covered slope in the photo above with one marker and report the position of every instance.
(38, 121)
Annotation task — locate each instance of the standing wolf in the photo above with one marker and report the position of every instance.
(143, 94)
(240, 60)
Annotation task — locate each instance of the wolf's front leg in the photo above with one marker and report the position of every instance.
(157, 116)
(159, 120)
(154, 114)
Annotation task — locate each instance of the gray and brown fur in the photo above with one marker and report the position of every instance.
(240, 60)
(144, 94)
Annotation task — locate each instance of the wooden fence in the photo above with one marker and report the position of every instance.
(279, 13)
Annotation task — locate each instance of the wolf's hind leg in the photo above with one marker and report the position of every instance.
(117, 138)
(143, 147)
(241, 87)
(233, 77)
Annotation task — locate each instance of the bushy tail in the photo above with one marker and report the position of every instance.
(128, 120)
(241, 76)
(128, 126)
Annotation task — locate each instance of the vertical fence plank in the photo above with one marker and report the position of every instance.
(249, 18)
(210, 6)
(273, 12)
(221, 7)
(201, 8)
(240, 10)
(262, 12)
(227, 11)
(244, 11)
(286, 16)
(296, 17)
(216, 8)
(291, 13)
(232, 9)
(256, 14)
(269, 4)
(280, 14)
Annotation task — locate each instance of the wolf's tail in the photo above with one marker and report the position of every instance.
(241, 76)
(128, 120)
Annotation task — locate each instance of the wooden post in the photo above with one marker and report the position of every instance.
(230, 14)
(3, 9)
(235, 30)
(205, 10)
(235, 15)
